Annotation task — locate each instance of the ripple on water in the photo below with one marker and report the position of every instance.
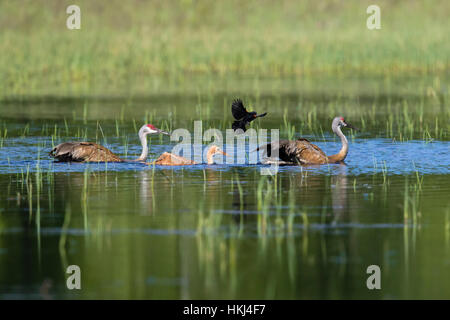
(366, 156)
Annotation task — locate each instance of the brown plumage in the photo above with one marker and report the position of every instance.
(299, 151)
(83, 152)
(302, 151)
(170, 159)
(92, 152)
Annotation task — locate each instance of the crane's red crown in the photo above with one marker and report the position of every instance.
(342, 118)
(151, 126)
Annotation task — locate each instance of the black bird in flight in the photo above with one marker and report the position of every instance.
(242, 116)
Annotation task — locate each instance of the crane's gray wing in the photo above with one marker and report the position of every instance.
(83, 152)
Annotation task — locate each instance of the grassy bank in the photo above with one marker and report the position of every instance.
(138, 46)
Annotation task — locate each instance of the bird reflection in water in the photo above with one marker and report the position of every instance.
(339, 194)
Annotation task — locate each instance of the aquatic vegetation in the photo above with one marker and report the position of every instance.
(150, 232)
(230, 212)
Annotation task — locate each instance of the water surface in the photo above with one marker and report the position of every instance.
(224, 231)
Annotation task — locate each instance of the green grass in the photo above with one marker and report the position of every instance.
(141, 47)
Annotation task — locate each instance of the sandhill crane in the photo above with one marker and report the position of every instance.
(242, 116)
(302, 151)
(170, 159)
(92, 152)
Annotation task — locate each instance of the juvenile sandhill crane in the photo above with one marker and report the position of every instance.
(242, 116)
(302, 151)
(170, 159)
(92, 152)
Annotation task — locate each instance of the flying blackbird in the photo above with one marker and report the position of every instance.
(242, 116)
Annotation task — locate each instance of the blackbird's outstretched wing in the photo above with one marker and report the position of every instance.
(238, 110)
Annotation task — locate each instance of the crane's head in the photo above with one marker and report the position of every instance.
(151, 129)
(340, 122)
(216, 150)
(212, 151)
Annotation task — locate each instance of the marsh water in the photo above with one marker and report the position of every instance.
(225, 231)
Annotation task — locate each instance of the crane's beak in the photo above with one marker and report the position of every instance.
(348, 125)
(164, 132)
(220, 151)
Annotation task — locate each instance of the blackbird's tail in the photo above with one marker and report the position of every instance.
(238, 125)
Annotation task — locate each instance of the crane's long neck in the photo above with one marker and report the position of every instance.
(209, 156)
(144, 154)
(344, 150)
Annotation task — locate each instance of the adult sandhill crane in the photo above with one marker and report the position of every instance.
(92, 152)
(170, 159)
(302, 151)
(242, 116)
